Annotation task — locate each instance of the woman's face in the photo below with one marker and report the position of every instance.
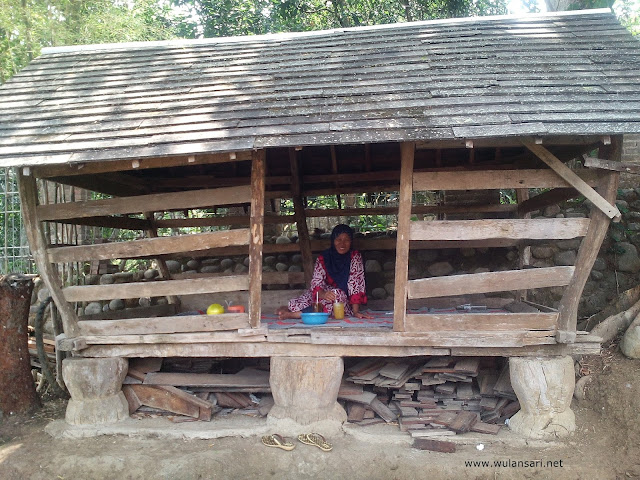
(342, 243)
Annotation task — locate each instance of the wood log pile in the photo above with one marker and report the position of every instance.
(195, 394)
(433, 397)
(426, 397)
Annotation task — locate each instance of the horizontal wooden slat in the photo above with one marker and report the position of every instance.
(494, 179)
(156, 202)
(173, 324)
(196, 337)
(470, 322)
(148, 247)
(164, 288)
(515, 229)
(489, 282)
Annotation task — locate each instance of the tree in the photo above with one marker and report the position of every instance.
(28, 25)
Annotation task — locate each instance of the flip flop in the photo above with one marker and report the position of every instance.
(316, 440)
(277, 441)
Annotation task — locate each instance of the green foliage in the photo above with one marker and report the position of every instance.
(28, 25)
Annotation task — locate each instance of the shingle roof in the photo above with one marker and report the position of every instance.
(574, 73)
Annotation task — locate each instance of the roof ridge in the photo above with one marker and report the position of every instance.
(294, 35)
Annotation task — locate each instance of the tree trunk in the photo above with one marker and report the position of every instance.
(17, 389)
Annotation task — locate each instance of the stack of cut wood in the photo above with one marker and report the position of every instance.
(437, 396)
(193, 396)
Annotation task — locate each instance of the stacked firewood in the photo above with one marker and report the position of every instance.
(437, 396)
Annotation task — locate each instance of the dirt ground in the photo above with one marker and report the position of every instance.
(606, 445)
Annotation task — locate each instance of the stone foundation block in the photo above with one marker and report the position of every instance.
(95, 385)
(544, 387)
(305, 393)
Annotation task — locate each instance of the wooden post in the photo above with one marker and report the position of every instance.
(152, 232)
(301, 220)
(48, 272)
(524, 251)
(256, 227)
(18, 393)
(589, 249)
(407, 153)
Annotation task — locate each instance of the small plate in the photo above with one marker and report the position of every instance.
(315, 318)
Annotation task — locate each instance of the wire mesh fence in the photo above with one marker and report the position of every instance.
(16, 256)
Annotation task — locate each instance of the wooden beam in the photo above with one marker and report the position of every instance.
(157, 202)
(256, 227)
(173, 324)
(124, 222)
(92, 168)
(544, 199)
(407, 155)
(589, 249)
(490, 282)
(149, 247)
(152, 232)
(625, 167)
(469, 322)
(28, 204)
(301, 220)
(574, 180)
(88, 293)
(515, 229)
(493, 179)
(286, 349)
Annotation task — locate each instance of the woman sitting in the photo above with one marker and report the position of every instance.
(338, 276)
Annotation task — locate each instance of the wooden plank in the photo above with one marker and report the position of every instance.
(174, 324)
(611, 211)
(490, 282)
(588, 251)
(463, 422)
(195, 337)
(550, 197)
(88, 293)
(494, 179)
(156, 397)
(434, 445)
(514, 229)
(132, 399)
(92, 168)
(407, 154)
(246, 378)
(157, 202)
(149, 247)
(28, 205)
(600, 163)
(256, 226)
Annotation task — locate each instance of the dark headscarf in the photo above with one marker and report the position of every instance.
(338, 266)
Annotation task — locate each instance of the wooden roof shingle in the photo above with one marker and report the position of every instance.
(570, 73)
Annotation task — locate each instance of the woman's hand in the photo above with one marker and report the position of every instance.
(328, 295)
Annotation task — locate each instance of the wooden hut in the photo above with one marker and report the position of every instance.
(477, 104)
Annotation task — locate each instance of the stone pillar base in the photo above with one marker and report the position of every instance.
(544, 387)
(305, 394)
(95, 385)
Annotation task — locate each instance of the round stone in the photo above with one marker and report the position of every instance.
(116, 304)
(151, 273)
(226, 263)
(107, 279)
(372, 266)
(93, 308)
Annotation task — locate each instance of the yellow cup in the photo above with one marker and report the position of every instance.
(338, 310)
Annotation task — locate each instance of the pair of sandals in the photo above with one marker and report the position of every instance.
(315, 439)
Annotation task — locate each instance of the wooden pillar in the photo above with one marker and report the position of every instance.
(589, 248)
(524, 251)
(49, 273)
(152, 232)
(301, 220)
(256, 228)
(407, 153)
